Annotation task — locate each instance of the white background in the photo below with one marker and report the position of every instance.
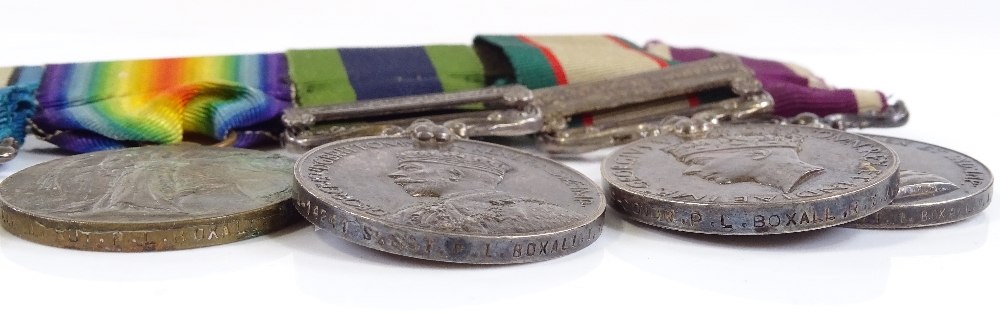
(938, 56)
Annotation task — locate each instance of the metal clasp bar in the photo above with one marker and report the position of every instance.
(624, 109)
(505, 111)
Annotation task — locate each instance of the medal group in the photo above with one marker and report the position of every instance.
(396, 159)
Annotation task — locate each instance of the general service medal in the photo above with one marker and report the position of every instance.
(751, 179)
(434, 197)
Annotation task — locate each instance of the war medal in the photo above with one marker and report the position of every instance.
(149, 198)
(434, 197)
(750, 179)
(936, 186)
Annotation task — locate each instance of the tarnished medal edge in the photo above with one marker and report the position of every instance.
(961, 203)
(165, 224)
(602, 198)
(181, 234)
(605, 176)
(456, 248)
(186, 234)
(616, 192)
(595, 220)
(969, 205)
(888, 186)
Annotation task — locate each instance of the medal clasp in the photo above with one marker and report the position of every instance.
(620, 110)
(505, 111)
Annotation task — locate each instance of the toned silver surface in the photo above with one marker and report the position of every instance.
(937, 185)
(752, 179)
(467, 201)
(149, 198)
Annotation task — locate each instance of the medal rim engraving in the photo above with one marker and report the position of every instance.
(915, 210)
(310, 203)
(632, 202)
(55, 231)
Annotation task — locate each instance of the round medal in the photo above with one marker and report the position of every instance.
(751, 179)
(149, 198)
(936, 186)
(458, 201)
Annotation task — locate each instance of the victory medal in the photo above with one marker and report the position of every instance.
(751, 179)
(433, 197)
(149, 198)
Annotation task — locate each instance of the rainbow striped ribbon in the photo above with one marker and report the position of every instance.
(104, 105)
(17, 101)
(331, 76)
(794, 88)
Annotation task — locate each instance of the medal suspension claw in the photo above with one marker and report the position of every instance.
(426, 134)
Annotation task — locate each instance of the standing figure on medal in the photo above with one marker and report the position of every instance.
(149, 198)
(750, 179)
(157, 183)
(436, 197)
(459, 194)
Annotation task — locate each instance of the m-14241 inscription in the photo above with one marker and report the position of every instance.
(149, 198)
(752, 179)
(936, 186)
(468, 201)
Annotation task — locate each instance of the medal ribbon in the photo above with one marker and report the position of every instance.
(544, 61)
(331, 76)
(794, 88)
(104, 105)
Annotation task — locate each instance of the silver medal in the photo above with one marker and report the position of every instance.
(751, 179)
(936, 186)
(437, 198)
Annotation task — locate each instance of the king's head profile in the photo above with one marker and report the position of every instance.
(438, 172)
(765, 159)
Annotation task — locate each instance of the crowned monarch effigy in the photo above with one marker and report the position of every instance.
(458, 193)
(764, 159)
